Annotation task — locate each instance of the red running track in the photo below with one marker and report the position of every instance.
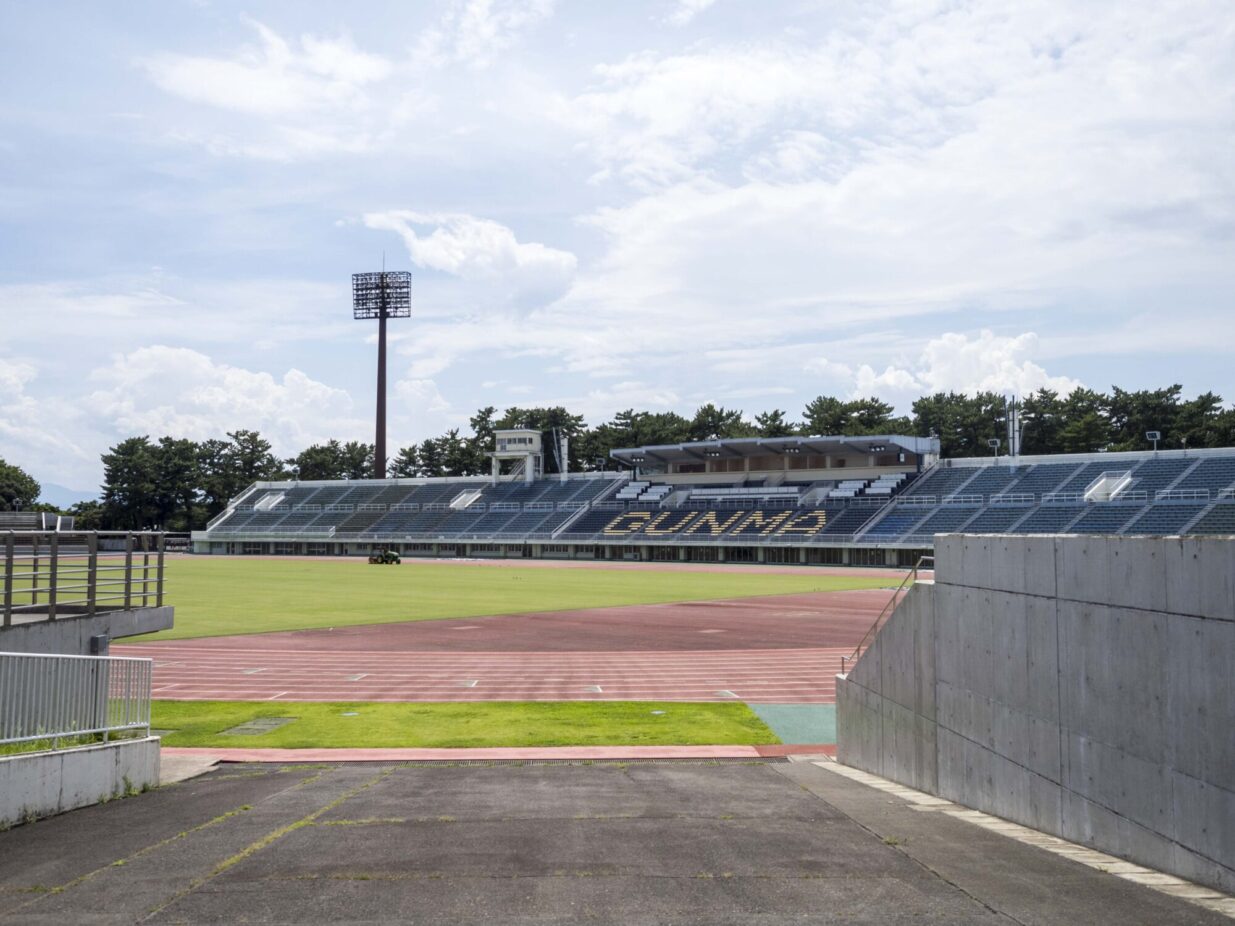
(778, 649)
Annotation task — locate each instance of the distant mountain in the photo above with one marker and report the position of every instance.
(63, 497)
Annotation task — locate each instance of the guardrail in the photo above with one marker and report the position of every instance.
(1013, 499)
(49, 575)
(56, 698)
(888, 608)
(1182, 495)
(964, 501)
(1063, 498)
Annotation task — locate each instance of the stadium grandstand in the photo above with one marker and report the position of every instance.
(871, 500)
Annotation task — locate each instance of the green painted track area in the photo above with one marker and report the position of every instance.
(224, 596)
(342, 725)
(799, 723)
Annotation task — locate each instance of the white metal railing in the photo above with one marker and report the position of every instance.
(746, 492)
(863, 502)
(966, 501)
(1190, 495)
(1063, 498)
(1013, 499)
(56, 698)
(1110, 458)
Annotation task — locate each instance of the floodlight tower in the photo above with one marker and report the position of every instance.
(383, 295)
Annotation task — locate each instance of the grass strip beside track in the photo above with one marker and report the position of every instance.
(555, 723)
(224, 596)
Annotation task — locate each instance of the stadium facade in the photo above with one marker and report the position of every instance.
(870, 500)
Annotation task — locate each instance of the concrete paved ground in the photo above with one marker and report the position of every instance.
(685, 843)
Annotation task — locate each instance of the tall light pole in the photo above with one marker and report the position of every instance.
(383, 295)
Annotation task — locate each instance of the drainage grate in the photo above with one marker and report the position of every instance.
(258, 726)
(532, 763)
(519, 763)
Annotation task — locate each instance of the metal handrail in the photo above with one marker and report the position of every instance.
(58, 574)
(910, 578)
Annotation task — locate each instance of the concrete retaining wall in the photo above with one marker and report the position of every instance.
(46, 783)
(71, 635)
(1084, 686)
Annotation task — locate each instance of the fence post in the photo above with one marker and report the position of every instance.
(128, 571)
(92, 572)
(53, 555)
(8, 580)
(145, 569)
(34, 569)
(158, 601)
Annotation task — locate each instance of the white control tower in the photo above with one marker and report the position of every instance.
(517, 454)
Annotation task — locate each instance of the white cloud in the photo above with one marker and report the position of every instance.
(421, 394)
(286, 99)
(160, 390)
(109, 311)
(909, 163)
(274, 78)
(41, 435)
(686, 10)
(475, 31)
(480, 249)
(14, 374)
(989, 362)
(955, 362)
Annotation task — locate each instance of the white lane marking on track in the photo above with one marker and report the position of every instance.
(358, 676)
(252, 671)
(596, 689)
(470, 683)
(274, 696)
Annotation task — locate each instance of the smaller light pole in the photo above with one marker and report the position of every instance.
(1154, 436)
(994, 443)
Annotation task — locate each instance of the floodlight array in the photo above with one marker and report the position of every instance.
(385, 294)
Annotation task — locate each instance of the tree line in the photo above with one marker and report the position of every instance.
(180, 484)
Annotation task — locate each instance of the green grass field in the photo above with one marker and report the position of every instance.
(216, 596)
(559, 723)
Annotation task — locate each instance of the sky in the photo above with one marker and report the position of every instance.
(650, 204)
